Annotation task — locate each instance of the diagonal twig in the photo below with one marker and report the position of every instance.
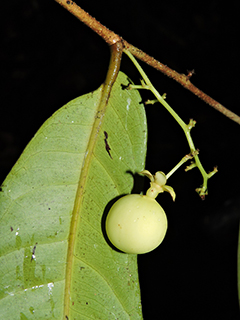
(111, 38)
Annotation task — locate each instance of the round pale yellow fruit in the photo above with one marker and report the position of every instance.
(136, 224)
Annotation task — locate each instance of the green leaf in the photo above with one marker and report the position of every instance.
(53, 251)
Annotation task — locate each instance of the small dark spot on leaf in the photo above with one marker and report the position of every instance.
(33, 252)
(11, 228)
(107, 147)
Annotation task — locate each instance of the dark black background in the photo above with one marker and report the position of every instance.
(48, 58)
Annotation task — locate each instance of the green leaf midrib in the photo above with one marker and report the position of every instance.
(105, 91)
(76, 210)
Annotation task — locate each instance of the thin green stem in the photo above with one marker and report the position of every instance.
(148, 85)
(180, 163)
(186, 127)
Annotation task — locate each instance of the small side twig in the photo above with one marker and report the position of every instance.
(146, 84)
(183, 79)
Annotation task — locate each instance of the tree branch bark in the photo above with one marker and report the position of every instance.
(111, 38)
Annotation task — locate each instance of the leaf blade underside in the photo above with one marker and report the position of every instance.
(37, 202)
